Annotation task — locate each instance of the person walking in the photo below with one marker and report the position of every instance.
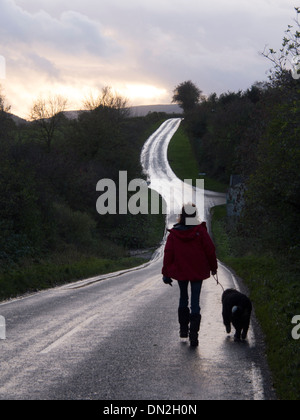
(189, 258)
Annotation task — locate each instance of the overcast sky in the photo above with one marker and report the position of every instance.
(143, 48)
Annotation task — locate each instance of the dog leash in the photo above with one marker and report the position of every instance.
(215, 276)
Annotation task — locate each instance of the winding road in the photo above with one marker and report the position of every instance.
(115, 337)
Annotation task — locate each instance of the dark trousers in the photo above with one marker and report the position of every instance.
(196, 287)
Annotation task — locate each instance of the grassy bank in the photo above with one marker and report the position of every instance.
(273, 282)
(45, 275)
(184, 164)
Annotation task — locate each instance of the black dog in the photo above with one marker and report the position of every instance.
(237, 309)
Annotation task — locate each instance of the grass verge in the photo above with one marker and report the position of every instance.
(274, 289)
(184, 164)
(46, 275)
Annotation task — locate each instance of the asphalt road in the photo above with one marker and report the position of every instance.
(115, 337)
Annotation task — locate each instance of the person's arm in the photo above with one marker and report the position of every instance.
(168, 257)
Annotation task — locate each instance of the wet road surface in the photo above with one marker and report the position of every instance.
(115, 337)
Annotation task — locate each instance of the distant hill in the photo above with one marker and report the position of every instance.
(135, 111)
(138, 111)
(141, 111)
(17, 119)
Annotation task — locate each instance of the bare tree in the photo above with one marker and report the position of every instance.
(289, 54)
(107, 99)
(5, 120)
(46, 114)
(3, 106)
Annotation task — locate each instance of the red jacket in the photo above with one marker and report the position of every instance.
(190, 254)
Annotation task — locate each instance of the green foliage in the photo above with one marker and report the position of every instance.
(187, 95)
(13, 246)
(255, 134)
(181, 156)
(219, 128)
(20, 216)
(74, 227)
(274, 187)
(46, 274)
(223, 243)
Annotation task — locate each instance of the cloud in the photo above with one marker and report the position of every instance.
(71, 32)
(42, 43)
(44, 51)
(154, 43)
(173, 40)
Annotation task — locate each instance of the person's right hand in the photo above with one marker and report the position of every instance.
(168, 280)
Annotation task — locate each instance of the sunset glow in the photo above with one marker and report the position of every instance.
(141, 49)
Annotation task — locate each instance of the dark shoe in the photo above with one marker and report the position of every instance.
(184, 320)
(195, 321)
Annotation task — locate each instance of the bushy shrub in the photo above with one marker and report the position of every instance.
(74, 227)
